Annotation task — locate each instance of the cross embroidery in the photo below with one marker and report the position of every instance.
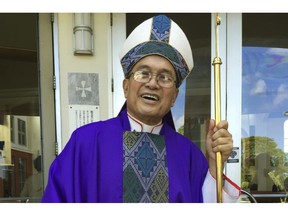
(83, 88)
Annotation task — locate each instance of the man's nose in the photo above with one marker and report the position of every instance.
(153, 80)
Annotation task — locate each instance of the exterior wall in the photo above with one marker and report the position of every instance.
(5, 135)
(99, 63)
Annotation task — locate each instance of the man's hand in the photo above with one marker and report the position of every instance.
(218, 140)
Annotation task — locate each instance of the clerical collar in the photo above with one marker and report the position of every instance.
(139, 126)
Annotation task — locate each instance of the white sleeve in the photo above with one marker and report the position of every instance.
(230, 194)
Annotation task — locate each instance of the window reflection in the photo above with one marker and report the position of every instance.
(286, 133)
(191, 111)
(20, 142)
(264, 102)
(264, 98)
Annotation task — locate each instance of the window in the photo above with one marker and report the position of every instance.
(21, 132)
(22, 164)
(264, 104)
(12, 129)
(19, 107)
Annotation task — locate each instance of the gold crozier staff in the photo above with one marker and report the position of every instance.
(217, 108)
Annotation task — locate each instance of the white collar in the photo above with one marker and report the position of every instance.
(139, 126)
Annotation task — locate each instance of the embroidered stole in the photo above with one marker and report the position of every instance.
(145, 172)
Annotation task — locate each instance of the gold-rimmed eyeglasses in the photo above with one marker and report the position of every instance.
(165, 80)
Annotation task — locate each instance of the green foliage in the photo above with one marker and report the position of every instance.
(278, 179)
(254, 146)
(181, 130)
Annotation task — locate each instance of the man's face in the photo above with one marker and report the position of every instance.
(149, 102)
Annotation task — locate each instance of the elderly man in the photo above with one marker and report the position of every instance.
(138, 156)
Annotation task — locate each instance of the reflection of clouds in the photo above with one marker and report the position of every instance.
(282, 95)
(179, 122)
(265, 93)
(259, 89)
(277, 56)
(258, 74)
(279, 51)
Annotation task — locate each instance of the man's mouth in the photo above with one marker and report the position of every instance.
(150, 97)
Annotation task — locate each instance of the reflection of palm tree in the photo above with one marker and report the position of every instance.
(279, 180)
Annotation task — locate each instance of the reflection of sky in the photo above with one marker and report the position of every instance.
(179, 107)
(264, 92)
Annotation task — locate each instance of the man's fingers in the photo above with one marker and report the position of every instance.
(222, 124)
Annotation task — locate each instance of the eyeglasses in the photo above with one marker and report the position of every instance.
(165, 80)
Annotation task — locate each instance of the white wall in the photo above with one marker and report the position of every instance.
(99, 63)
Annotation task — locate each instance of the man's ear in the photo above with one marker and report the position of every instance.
(125, 85)
(175, 97)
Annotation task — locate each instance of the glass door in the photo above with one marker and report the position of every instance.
(191, 111)
(265, 106)
(20, 143)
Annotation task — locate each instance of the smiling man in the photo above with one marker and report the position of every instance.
(138, 156)
(150, 89)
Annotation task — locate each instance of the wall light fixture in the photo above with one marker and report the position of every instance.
(83, 34)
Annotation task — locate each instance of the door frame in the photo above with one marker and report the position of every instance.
(47, 109)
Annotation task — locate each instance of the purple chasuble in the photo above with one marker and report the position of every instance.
(90, 168)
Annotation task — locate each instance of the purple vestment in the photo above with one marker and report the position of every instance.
(90, 168)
